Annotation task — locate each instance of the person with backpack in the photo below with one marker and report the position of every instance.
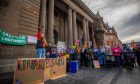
(41, 43)
(44, 44)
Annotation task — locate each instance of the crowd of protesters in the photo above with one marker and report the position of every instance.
(113, 56)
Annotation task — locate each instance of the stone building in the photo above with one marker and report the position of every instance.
(63, 20)
(111, 37)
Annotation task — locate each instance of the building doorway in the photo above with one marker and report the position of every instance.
(55, 37)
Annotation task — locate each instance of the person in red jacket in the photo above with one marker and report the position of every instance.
(116, 51)
(39, 32)
(39, 45)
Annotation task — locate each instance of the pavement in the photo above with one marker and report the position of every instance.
(129, 76)
(100, 76)
(91, 76)
(6, 78)
(84, 76)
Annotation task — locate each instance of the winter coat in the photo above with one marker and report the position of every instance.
(116, 51)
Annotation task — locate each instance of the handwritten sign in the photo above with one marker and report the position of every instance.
(12, 40)
(61, 46)
(31, 39)
(38, 70)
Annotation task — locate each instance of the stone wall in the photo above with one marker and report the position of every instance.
(9, 54)
(18, 17)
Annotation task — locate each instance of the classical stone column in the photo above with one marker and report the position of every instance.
(93, 39)
(62, 29)
(84, 30)
(70, 26)
(66, 31)
(87, 27)
(50, 22)
(42, 19)
(75, 27)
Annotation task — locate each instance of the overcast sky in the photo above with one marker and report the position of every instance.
(123, 14)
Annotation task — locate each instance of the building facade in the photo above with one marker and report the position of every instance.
(63, 20)
(111, 37)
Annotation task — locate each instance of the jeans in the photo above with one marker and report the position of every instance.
(117, 60)
(43, 52)
(102, 60)
(39, 52)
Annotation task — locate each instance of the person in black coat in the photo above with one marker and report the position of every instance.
(137, 53)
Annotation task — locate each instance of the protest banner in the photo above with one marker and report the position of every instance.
(38, 70)
(61, 46)
(59, 68)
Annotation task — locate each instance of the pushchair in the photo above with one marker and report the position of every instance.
(128, 60)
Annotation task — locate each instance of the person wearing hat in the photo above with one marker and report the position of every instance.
(41, 43)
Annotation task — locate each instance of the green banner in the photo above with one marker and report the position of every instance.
(12, 40)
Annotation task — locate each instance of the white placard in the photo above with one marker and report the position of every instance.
(61, 46)
(31, 39)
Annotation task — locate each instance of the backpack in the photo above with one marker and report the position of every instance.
(39, 44)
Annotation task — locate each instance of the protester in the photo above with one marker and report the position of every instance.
(39, 42)
(109, 58)
(116, 53)
(137, 53)
(44, 44)
(39, 32)
(79, 56)
(48, 51)
(95, 50)
(68, 50)
(84, 56)
(127, 59)
(54, 54)
(101, 56)
(90, 57)
(61, 54)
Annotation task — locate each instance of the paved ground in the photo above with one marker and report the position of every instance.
(129, 77)
(6, 78)
(91, 76)
(83, 76)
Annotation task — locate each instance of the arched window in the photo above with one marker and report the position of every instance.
(55, 37)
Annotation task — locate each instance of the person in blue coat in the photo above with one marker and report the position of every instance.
(101, 54)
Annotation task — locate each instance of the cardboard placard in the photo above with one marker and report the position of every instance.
(58, 68)
(38, 70)
(96, 64)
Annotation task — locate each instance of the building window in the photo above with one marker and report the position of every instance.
(4, 3)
